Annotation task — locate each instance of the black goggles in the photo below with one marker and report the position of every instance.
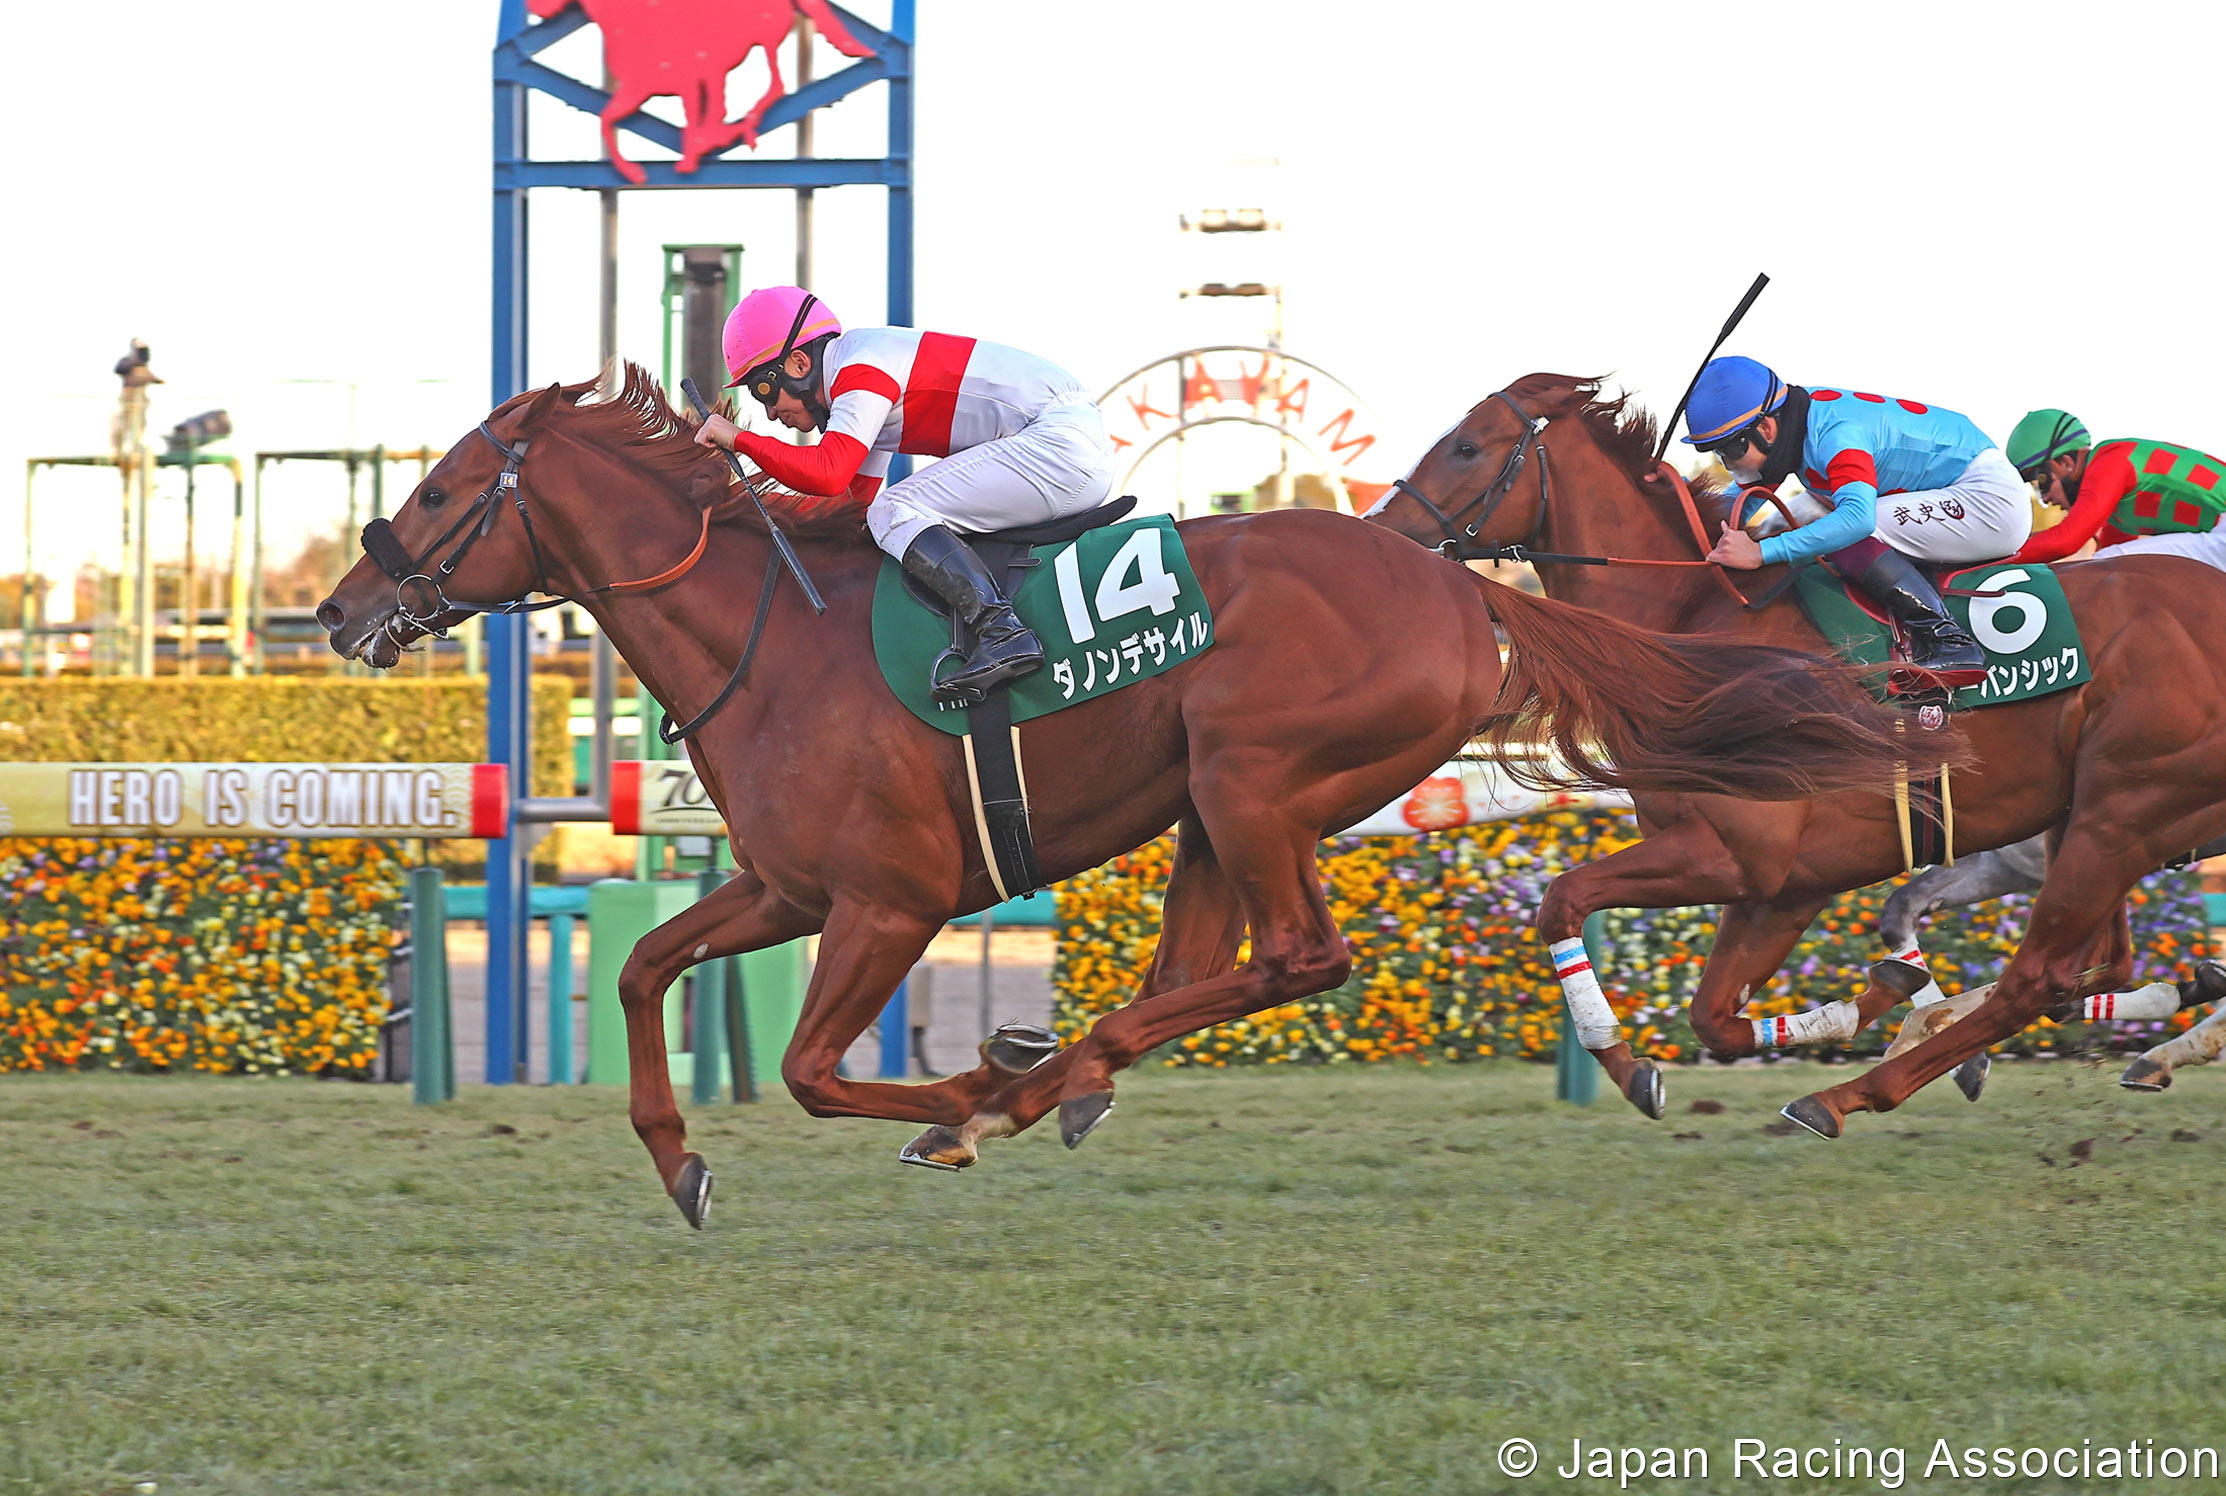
(1732, 445)
(768, 379)
(764, 382)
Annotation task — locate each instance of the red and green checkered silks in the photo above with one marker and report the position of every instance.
(2175, 490)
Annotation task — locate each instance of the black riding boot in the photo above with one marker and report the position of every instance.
(1938, 646)
(1003, 648)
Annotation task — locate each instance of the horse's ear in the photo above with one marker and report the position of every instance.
(542, 403)
(707, 484)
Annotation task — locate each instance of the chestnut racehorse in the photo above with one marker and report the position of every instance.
(2127, 770)
(1346, 665)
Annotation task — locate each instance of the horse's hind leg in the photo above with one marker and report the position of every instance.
(1266, 852)
(741, 915)
(1201, 928)
(864, 953)
(2152, 1071)
(2087, 883)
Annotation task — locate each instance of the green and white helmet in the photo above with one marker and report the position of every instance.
(2044, 434)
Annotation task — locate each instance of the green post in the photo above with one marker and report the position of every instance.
(1576, 1073)
(650, 747)
(432, 1055)
(560, 999)
(738, 1031)
(707, 1018)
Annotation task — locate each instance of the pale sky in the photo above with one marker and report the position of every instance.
(1985, 207)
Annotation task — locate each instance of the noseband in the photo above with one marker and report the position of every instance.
(414, 583)
(1460, 543)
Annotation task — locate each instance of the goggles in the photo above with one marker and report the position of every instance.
(768, 379)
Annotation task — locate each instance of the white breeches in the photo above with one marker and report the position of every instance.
(2206, 546)
(1059, 465)
(1983, 516)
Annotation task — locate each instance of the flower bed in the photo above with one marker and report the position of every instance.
(1446, 965)
(256, 957)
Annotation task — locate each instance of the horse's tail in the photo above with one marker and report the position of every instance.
(1696, 714)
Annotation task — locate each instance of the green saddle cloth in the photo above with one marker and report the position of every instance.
(1113, 607)
(2031, 640)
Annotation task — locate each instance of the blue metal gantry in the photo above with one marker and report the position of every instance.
(509, 666)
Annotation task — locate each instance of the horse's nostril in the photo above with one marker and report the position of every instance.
(330, 615)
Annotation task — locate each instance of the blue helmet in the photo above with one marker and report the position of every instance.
(1731, 395)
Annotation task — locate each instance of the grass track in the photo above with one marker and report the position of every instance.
(1309, 1281)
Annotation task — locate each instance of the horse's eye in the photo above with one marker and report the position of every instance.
(1466, 449)
(433, 498)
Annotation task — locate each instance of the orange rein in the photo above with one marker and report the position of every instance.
(1700, 536)
(675, 573)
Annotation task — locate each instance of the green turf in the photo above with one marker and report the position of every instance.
(1314, 1281)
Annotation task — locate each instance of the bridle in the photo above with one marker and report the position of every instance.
(1461, 543)
(421, 597)
(415, 584)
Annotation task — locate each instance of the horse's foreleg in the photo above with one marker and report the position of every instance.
(1752, 942)
(741, 915)
(1684, 863)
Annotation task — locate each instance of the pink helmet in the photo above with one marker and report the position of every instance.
(766, 326)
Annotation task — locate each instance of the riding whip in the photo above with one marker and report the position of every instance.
(1669, 427)
(789, 558)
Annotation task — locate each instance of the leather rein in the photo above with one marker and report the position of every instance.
(420, 594)
(1461, 542)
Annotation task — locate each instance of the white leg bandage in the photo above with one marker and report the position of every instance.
(1834, 1023)
(1588, 1005)
(2157, 1000)
(2198, 1046)
(1930, 993)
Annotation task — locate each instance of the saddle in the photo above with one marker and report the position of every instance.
(2020, 617)
(992, 742)
(1008, 554)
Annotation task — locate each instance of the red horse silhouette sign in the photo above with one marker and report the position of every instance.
(686, 49)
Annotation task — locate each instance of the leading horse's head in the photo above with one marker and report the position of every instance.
(446, 554)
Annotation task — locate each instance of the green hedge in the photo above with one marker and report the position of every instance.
(274, 719)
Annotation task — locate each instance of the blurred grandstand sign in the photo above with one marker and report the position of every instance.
(1304, 404)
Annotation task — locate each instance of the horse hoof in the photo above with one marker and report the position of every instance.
(2145, 1074)
(1080, 1117)
(1645, 1091)
(1812, 1113)
(1017, 1048)
(693, 1192)
(1970, 1076)
(2208, 985)
(939, 1148)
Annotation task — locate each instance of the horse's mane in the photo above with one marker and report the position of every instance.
(624, 411)
(1625, 432)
